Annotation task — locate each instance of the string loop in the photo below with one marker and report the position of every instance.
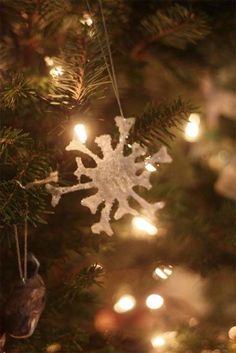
(110, 68)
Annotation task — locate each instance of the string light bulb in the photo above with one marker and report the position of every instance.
(192, 128)
(232, 333)
(150, 168)
(81, 132)
(143, 224)
(154, 301)
(86, 20)
(56, 71)
(125, 303)
(163, 271)
(49, 61)
(158, 341)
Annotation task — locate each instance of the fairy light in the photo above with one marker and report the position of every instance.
(162, 272)
(49, 61)
(53, 348)
(143, 224)
(158, 341)
(150, 168)
(81, 132)
(192, 128)
(125, 303)
(86, 20)
(56, 71)
(154, 301)
(232, 333)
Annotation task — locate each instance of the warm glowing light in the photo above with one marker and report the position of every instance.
(125, 303)
(53, 348)
(192, 128)
(163, 272)
(49, 61)
(56, 71)
(143, 224)
(81, 132)
(150, 168)
(154, 301)
(86, 20)
(232, 333)
(158, 341)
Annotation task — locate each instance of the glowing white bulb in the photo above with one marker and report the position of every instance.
(154, 301)
(162, 272)
(81, 132)
(192, 128)
(56, 71)
(87, 20)
(125, 303)
(232, 333)
(150, 168)
(49, 61)
(158, 341)
(143, 224)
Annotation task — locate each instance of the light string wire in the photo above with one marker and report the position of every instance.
(110, 68)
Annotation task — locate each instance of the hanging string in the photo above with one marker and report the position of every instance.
(103, 53)
(18, 253)
(111, 72)
(25, 247)
(22, 272)
(110, 56)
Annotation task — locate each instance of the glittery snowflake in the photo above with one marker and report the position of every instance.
(114, 176)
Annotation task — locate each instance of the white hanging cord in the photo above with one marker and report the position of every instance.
(111, 59)
(103, 52)
(22, 272)
(25, 247)
(18, 253)
(111, 72)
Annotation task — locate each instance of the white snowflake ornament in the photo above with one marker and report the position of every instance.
(114, 177)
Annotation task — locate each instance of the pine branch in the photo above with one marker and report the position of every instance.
(13, 142)
(25, 165)
(74, 285)
(83, 72)
(155, 125)
(15, 92)
(57, 14)
(175, 26)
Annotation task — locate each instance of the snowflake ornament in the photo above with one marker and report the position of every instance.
(114, 176)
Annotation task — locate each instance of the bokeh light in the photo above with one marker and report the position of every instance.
(232, 333)
(125, 303)
(81, 132)
(163, 272)
(143, 224)
(154, 301)
(192, 128)
(158, 341)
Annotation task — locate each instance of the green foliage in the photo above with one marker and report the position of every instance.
(156, 124)
(17, 90)
(83, 72)
(58, 15)
(176, 26)
(72, 289)
(21, 164)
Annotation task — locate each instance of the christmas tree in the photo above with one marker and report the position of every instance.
(117, 176)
